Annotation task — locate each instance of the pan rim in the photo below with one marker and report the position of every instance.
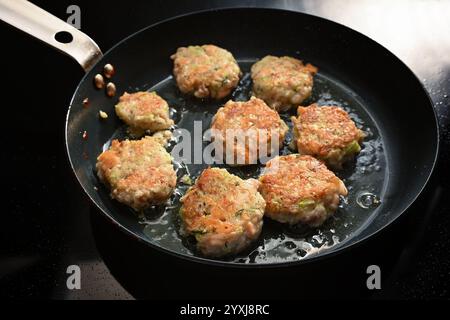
(229, 264)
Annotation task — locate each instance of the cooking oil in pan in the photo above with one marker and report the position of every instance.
(364, 178)
(367, 200)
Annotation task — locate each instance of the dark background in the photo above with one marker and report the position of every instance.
(47, 224)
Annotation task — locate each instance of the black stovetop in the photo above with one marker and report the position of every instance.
(47, 224)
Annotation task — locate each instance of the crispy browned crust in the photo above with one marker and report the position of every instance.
(250, 116)
(205, 71)
(325, 132)
(144, 111)
(282, 82)
(139, 173)
(223, 211)
(289, 180)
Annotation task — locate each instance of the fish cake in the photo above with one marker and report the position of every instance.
(252, 117)
(139, 173)
(300, 189)
(282, 82)
(144, 111)
(327, 133)
(223, 212)
(205, 71)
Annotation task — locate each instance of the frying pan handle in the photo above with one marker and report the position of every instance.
(44, 26)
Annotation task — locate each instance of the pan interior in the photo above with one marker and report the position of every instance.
(365, 178)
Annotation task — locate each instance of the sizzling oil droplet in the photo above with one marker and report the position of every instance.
(367, 200)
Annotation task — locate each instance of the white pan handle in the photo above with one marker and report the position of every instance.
(44, 26)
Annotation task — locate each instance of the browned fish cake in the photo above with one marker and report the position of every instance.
(326, 133)
(300, 189)
(282, 82)
(223, 212)
(139, 173)
(205, 71)
(252, 117)
(144, 111)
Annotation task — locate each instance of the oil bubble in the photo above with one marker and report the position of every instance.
(367, 200)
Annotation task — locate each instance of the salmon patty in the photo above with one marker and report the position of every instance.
(144, 111)
(205, 71)
(327, 133)
(300, 189)
(282, 82)
(139, 173)
(252, 121)
(223, 212)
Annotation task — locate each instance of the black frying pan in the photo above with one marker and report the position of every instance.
(382, 95)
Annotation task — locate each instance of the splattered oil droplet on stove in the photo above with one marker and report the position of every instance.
(367, 200)
(86, 103)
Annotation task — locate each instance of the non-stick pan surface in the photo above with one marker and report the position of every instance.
(382, 95)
